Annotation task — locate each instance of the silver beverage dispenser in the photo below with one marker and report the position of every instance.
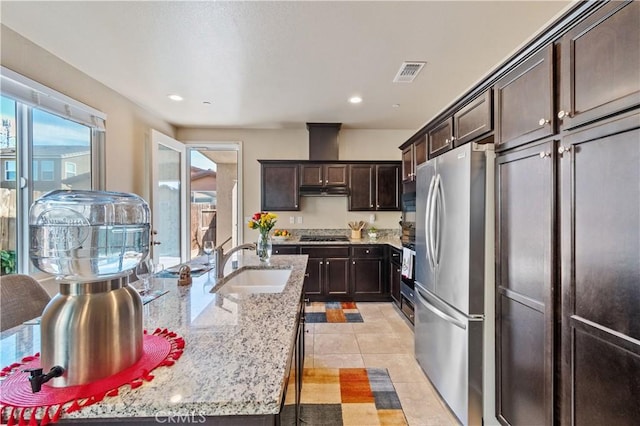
(91, 241)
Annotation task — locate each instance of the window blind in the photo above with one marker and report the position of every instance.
(36, 95)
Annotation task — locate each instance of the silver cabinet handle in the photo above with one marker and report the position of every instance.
(306, 275)
(446, 141)
(354, 262)
(543, 121)
(563, 149)
(367, 251)
(453, 138)
(321, 263)
(563, 114)
(371, 205)
(277, 251)
(398, 270)
(545, 154)
(320, 181)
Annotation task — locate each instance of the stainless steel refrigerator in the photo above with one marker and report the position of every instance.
(451, 218)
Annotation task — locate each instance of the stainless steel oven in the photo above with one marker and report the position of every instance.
(407, 292)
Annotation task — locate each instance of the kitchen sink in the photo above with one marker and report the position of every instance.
(249, 281)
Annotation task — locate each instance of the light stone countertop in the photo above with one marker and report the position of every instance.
(237, 348)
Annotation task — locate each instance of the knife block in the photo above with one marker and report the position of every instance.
(356, 234)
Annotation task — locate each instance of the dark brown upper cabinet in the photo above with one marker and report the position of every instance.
(279, 186)
(473, 120)
(441, 137)
(408, 164)
(599, 65)
(374, 187)
(524, 101)
(413, 155)
(323, 174)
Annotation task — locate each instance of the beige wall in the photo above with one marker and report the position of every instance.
(127, 124)
(128, 127)
(292, 144)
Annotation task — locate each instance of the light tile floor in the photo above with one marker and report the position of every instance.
(383, 340)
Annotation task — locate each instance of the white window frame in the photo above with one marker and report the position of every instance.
(30, 94)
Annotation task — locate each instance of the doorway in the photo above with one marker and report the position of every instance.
(214, 201)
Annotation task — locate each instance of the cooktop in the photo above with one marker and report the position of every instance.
(323, 238)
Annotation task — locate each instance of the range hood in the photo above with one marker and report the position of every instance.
(323, 147)
(323, 191)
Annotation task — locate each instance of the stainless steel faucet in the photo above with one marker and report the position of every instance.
(220, 258)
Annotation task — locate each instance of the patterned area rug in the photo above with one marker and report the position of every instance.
(332, 312)
(349, 397)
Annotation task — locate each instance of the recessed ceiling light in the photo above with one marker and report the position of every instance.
(355, 99)
(395, 106)
(206, 102)
(176, 98)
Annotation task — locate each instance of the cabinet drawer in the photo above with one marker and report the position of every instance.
(367, 251)
(395, 256)
(322, 252)
(278, 249)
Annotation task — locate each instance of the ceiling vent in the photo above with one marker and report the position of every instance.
(408, 72)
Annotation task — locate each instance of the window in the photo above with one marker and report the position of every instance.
(46, 170)
(48, 141)
(69, 169)
(9, 170)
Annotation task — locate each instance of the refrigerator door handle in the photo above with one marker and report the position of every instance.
(428, 223)
(438, 201)
(437, 311)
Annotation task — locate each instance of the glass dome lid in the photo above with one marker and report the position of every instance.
(88, 235)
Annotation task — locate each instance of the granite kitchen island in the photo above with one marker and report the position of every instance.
(239, 351)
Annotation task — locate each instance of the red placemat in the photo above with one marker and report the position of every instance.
(19, 405)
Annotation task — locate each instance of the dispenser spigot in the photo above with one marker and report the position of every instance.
(37, 378)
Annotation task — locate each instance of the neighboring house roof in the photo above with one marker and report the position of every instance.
(203, 180)
(50, 152)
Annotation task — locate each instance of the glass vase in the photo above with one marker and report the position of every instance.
(264, 247)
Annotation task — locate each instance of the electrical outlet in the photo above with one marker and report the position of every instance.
(299, 219)
(372, 218)
(292, 220)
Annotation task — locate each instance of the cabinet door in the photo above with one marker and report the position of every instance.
(441, 137)
(524, 282)
(335, 174)
(311, 175)
(408, 171)
(600, 264)
(473, 120)
(366, 276)
(524, 101)
(599, 65)
(313, 277)
(336, 276)
(420, 151)
(279, 187)
(387, 187)
(361, 187)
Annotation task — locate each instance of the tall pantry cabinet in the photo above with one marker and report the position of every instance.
(568, 227)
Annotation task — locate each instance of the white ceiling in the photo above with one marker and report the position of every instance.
(281, 64)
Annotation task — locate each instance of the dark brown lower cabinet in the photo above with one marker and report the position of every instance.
(524, 280)
(327, 275)
(600, 263)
